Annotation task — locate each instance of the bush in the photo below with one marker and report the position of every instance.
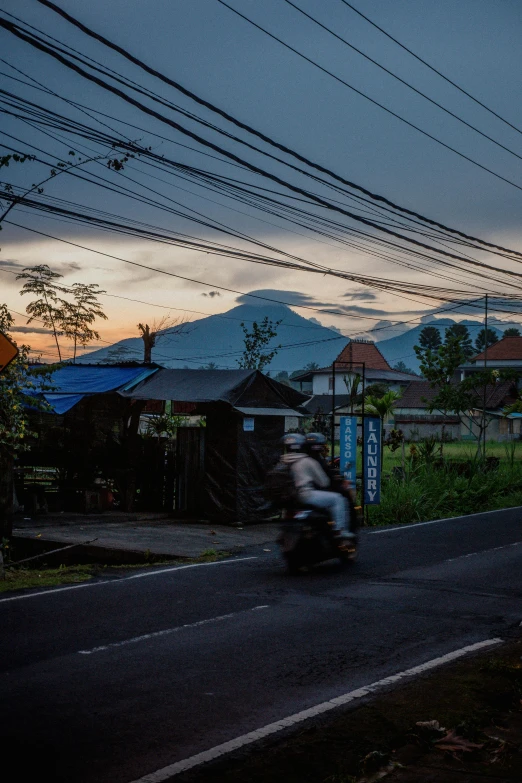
(431, 491)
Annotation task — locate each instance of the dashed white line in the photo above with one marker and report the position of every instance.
(125, 578)
(167, 631)
(272, 728)
(402, 528)
(482, 552)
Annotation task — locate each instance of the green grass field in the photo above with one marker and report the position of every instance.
(458, 450)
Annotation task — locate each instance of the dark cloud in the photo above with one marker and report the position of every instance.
(212, 294)
(295, 298)
(11, 265)
(30, 330)
(356, 310)
(362, 295)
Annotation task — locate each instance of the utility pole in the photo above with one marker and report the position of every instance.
(485, 379)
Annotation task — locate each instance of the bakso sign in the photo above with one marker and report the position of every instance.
(348, 447)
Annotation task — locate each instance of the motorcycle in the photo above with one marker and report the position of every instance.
(308, 537)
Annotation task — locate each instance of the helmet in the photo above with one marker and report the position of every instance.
(293, 441)
(315, 441)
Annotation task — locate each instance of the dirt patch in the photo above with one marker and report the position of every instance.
(470, 717)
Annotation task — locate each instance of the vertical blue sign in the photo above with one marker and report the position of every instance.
(348, 447)
(372, 461)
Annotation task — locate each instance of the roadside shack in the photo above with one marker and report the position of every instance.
(220, 467)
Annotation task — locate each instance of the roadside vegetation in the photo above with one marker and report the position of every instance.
(422, 484)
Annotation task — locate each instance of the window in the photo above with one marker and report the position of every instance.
(330, 383)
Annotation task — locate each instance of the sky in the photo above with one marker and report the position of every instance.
(225, 60)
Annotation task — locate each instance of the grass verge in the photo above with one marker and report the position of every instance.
(21, 578)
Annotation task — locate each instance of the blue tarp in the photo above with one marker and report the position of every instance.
(74, 381)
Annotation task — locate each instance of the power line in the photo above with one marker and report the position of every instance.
(435, 70)
(367, 97)
(252, 130)
(402, 81)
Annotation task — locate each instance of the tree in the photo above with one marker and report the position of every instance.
(12, 198)
(460, 332)
(464, 398)
(255, 356)
(209, 366)
(282, 377)
(353, 383)
(512, 332)
(17, 381)
(80, 314)
(159, 329)
(401, 367)
(381, 407)
(49, 307)
(480, 342)
(430, 338)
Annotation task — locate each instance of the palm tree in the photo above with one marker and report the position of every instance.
(381, 407)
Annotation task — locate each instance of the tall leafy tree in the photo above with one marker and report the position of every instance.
(460, 332)
(80, 314)
(490, 337)
(512, 332)
(430, 338)
(49, 305)
(257, 355)
(17, 391)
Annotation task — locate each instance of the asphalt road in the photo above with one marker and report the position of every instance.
(115, 680)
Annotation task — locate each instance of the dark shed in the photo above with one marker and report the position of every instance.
(246, 413)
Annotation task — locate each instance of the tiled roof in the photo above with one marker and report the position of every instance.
(322, 403)
(358, 352)
(497, 395)
(509, 348)
(413, 394)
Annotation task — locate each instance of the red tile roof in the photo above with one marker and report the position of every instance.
(509, 348)
(358, 352)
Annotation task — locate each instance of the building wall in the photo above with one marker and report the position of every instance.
(322, 383)
(499, 429)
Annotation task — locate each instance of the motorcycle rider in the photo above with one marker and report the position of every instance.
(315, 446)
(311, 483)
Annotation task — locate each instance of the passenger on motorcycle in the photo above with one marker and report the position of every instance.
(311, 482)
(315, 446)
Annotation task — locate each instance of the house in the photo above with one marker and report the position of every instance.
(414, 419)
(355, 356)
(417, 422)
(504, 355)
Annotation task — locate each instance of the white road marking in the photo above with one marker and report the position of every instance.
(483, 552)
(272, 728)
(167, 631)
(401, 528)
(125, 578)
